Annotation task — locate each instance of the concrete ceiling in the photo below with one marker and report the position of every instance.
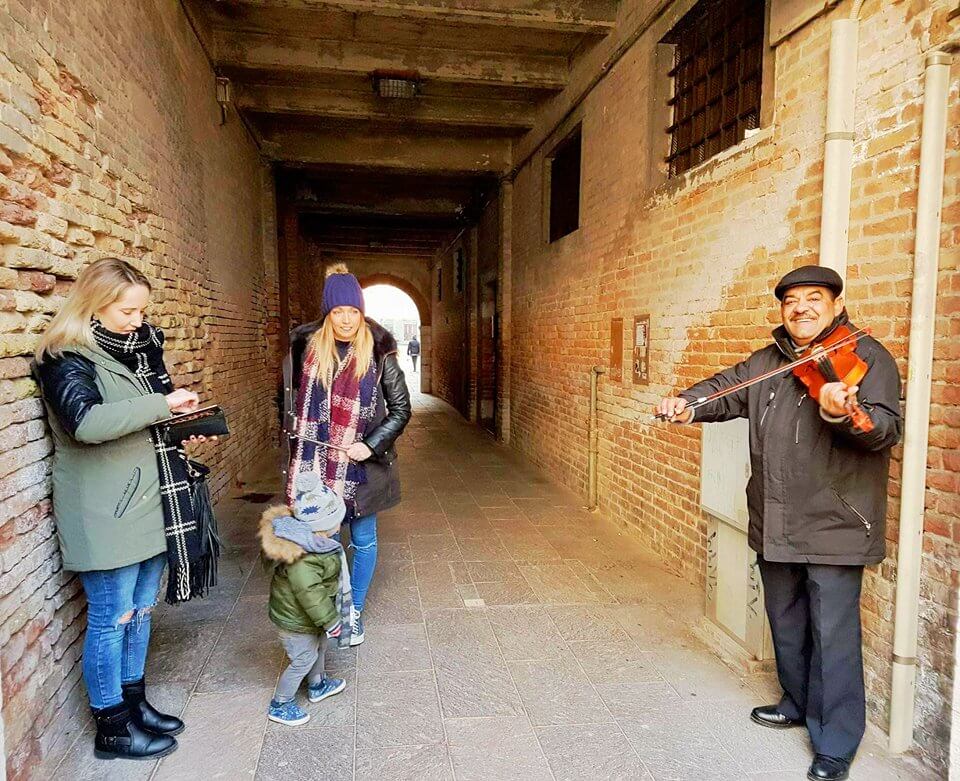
(420, 168)
(357, 213)
(302, 74)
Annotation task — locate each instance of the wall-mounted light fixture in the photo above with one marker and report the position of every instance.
(223, 97)
(400, 84)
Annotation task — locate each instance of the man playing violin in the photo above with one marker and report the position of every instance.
(817, 500)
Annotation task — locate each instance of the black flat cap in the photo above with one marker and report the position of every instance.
(809, 275)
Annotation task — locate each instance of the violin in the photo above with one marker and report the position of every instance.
(834, 360)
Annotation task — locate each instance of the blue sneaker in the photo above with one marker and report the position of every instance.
(288, 713)
(326, 688)
(356, 635)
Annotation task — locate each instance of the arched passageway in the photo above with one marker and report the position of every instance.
(389, 302)
(516, 169)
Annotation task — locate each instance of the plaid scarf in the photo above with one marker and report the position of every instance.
(339, 416)
(190, 569)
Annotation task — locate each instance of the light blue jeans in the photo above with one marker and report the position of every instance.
(363, 540)
(119, 604)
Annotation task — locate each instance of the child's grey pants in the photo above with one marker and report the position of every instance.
(305, 653)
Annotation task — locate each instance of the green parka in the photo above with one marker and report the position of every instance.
(304, 588)
(106, 483)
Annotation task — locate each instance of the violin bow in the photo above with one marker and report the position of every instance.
(814, 355)
(317, 442)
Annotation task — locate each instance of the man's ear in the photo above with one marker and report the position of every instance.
(838, 305)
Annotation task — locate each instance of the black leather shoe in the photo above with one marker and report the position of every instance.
(144, 715)
(826, 768)
(769, 716)
(118, 737)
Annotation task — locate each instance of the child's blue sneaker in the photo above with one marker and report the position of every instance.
(288, 713)
(325, 688)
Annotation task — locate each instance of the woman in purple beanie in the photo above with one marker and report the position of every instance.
(348, 403)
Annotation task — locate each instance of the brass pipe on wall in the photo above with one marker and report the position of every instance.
(593, 445)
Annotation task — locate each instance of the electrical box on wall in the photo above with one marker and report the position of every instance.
(641, 349)
(616, 349)
(734, 593)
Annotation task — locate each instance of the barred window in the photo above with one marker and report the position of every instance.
(717, 72)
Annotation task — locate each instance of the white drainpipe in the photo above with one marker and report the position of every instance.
(922, 316)
(838, 143)
(834, 230)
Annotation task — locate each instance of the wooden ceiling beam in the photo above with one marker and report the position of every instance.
(415, 152)
(302, 56)
(424, 110)
(570, 16)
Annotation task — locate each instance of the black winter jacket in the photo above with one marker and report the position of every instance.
(818, 490)
(382, 489)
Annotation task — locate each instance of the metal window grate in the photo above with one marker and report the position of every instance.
(717, 72)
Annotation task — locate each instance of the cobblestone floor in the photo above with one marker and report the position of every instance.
(510, 635)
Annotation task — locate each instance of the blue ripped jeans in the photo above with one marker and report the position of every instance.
(119, 603)
(363, 541)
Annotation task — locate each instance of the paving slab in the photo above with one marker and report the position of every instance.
(510, 635)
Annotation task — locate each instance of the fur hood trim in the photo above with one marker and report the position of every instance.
(275, 548)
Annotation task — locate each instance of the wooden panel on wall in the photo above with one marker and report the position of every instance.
(616, 349)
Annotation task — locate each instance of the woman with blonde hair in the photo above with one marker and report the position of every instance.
(348, 404)
(122, 508)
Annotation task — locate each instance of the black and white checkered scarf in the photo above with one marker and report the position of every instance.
(142, 353)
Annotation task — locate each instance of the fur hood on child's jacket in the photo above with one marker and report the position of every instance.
(277, 549)
(310, 589)
(305, 586)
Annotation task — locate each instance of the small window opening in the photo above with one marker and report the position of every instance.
(565, 187)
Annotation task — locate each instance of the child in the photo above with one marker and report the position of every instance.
(309, 594)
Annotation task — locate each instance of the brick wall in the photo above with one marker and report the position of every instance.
(411, 276)
(700, 254)
(451, 353)
(110, 143)
(484, 311)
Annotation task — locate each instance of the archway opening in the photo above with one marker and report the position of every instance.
(397, 311)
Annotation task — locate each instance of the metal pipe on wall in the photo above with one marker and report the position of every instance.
(917, 421)
(838, 144)
(593, 449)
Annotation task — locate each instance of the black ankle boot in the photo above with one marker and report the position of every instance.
(145, 715)
(118, 737)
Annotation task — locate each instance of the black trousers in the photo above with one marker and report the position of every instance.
(814, 612)
(414, 359)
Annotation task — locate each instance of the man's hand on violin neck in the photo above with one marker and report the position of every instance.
(674, 410)
(836, 398)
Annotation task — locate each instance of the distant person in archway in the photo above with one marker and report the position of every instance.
(350, 402)
(413, 350)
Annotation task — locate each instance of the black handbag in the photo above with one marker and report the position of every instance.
(206, 576)
(207, 422)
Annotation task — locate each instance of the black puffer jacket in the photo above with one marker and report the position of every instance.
(818, 490)
(382, 489)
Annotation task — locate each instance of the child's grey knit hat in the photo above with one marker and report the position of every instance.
(317, 505)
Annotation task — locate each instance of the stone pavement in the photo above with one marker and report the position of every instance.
(510, 635)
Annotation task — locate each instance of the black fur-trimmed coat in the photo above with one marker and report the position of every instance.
(382, 489)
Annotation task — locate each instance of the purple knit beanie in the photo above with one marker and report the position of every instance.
(341, 288)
